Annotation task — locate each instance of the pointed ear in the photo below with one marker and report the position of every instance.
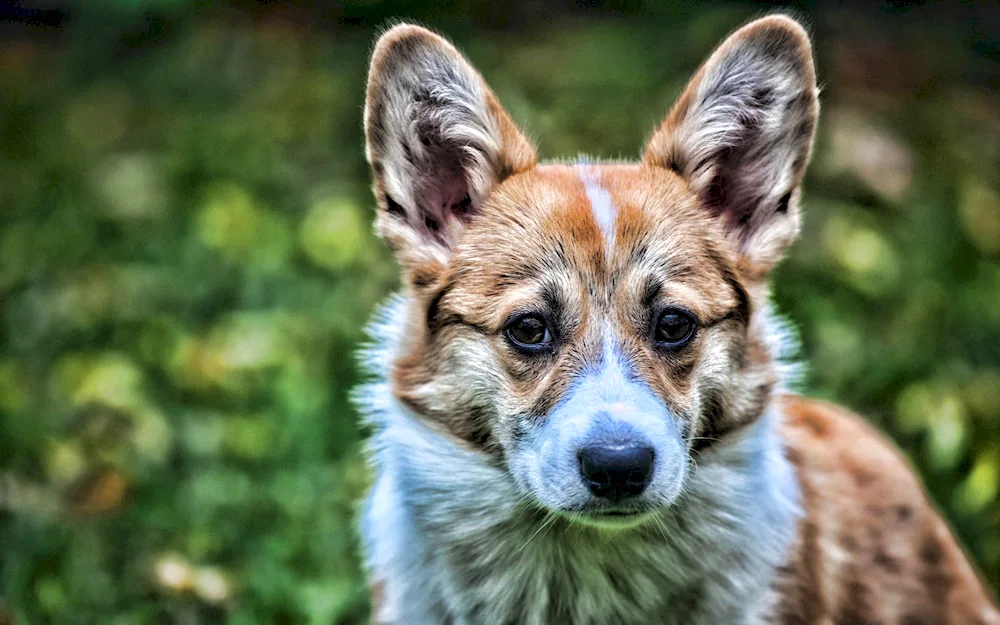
(741, 134)
(437, 141)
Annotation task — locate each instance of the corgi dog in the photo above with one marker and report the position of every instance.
(579, 402)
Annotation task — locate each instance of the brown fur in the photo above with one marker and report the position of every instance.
(871, 550)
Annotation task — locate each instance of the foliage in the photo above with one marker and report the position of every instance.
(186, 265)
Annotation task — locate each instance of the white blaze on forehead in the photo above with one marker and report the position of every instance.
(600, 203)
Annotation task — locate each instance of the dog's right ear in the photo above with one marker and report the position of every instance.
(741, 134)
(437, 141)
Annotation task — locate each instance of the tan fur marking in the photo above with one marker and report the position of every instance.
(378, 600)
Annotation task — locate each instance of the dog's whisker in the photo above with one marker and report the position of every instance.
(548, 520)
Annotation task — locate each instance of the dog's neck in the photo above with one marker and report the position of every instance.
(449, 528)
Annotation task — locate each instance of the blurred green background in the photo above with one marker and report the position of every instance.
(186, 264)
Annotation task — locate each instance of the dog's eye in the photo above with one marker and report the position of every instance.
(529, 331)
(674, 328)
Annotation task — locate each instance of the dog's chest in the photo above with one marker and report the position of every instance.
(540, 572)
(554, 584)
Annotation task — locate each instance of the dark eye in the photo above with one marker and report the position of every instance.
(674, 328)
(529, 331)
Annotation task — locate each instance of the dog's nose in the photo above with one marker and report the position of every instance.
(616, 472)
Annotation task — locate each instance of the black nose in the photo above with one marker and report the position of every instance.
(616, 472)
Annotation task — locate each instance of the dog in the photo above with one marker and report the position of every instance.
(579, 404)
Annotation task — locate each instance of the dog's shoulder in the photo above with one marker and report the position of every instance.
(871, 547)
(851, 455)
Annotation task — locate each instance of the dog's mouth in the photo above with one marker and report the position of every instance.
(610, 518)
(616, 513)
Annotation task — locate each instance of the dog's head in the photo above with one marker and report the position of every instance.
(592, 328)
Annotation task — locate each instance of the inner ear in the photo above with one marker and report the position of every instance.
(443, 196)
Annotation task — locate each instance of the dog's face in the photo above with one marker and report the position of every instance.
(589, 327)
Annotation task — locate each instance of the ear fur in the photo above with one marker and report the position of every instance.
(741, 135)
(438, 141)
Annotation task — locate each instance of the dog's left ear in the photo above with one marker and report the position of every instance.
(741, 134)
(438, 142)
